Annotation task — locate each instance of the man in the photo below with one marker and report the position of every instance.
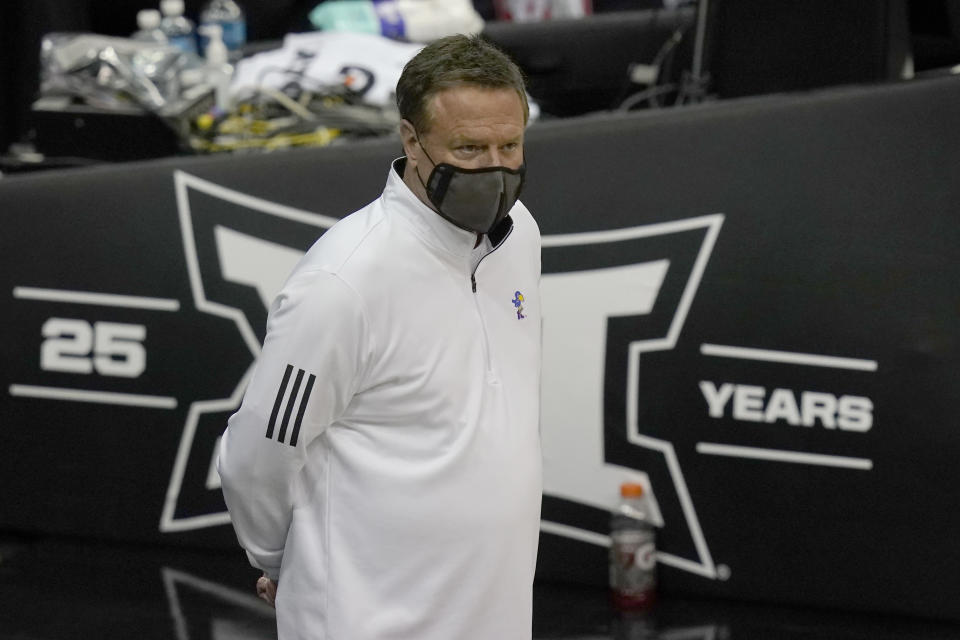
(384, 467)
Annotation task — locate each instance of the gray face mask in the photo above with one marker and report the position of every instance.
(473, 199)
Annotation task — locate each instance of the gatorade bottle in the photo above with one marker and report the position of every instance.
(633, 579)
(178, 29)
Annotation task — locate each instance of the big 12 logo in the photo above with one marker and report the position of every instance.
(641, 280)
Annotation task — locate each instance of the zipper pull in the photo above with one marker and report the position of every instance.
(473, 282)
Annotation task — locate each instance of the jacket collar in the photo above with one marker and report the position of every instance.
(429, 225)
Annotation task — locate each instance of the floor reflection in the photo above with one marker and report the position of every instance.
(60, 590)
(203, 608)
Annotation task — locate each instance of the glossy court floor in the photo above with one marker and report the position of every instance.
(61, 589)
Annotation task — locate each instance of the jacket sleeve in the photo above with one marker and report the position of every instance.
(308, 371)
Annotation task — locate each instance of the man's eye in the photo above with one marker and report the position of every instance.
(511, 146)
(469, 148)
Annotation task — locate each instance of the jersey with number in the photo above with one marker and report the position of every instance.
(385, 462)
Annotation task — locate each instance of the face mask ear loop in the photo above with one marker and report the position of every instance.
(434, 198)
(417, 168)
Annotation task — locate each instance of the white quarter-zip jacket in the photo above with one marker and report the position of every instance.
(385, 461)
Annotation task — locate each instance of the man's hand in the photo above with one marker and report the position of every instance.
(267, 590)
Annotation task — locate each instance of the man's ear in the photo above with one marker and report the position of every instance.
(408, 136)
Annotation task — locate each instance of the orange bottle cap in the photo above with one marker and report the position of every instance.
(631, 490)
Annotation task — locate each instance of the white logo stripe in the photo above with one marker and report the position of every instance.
(102, 299)
(778, 455)
(101, 397)
(786, 357)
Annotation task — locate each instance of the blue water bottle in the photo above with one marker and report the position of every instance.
(233, 23)
(178, 29)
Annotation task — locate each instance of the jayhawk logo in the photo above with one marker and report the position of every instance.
(518, 303)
